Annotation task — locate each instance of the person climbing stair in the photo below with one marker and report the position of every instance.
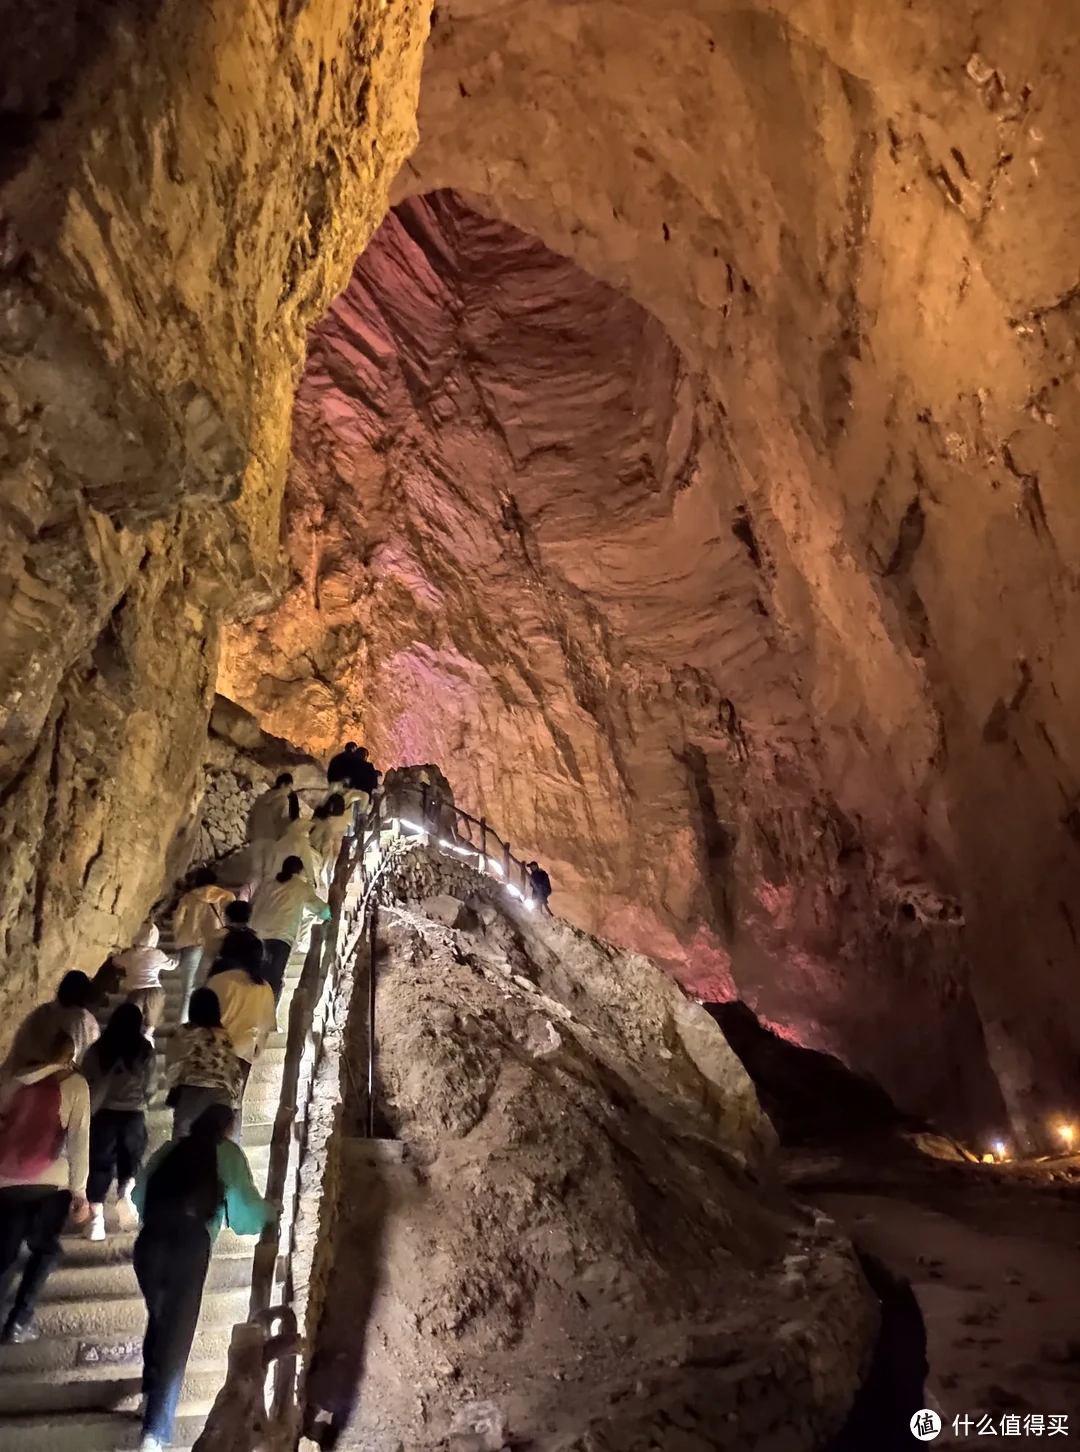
(278, 914)
(185, 1192)
(44, 1162)
(143, 964)
(120, 1071)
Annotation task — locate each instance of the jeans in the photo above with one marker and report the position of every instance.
(191, 1100)
(171, 1271)
(34, 1214)
(275, 960)
(117, 1146)
(187, 970)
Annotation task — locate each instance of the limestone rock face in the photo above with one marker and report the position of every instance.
(856, 224)
(520, 547)
(582, 1248)
(181, 187)
(860, 222)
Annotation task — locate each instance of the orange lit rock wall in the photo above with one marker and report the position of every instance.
(521, 546)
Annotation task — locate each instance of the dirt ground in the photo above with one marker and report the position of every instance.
(994, 1260)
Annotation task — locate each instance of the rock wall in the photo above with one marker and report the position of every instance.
(181, 187)
(519, 546)
(581, 1246)
(859, 221)
(855, 224)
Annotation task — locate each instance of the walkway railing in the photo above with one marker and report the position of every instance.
(240, 1418)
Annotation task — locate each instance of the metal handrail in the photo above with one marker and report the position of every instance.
(332, 947)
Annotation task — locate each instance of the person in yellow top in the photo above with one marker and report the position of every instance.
(198, 924)
(248, 1013)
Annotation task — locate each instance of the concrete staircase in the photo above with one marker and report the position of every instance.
(77, 1389)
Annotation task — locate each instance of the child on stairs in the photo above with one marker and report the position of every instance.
(121, 1072)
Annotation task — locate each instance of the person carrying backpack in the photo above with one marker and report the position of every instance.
(184, 1193)
(202, 1068)
(44, 1160)
(120, 1070)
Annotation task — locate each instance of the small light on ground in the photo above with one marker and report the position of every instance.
(496, 867)
(1000, 1149)
(1067, 1133)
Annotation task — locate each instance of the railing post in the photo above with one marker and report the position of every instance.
(424, 806)
(483, 844)
(373, 915)
(506, 861)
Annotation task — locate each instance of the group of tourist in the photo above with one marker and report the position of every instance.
(74, 1098)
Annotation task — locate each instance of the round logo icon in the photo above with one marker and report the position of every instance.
(925, 1425)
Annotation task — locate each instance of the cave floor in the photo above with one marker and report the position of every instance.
(994, 1262)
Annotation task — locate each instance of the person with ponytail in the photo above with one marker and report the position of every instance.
(184, 1193)
(121, 1071)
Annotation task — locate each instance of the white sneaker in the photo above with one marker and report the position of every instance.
(150, 1444)
(126, 1214)
(95, 1226)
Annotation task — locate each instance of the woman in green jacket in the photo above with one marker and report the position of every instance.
(183, 1194)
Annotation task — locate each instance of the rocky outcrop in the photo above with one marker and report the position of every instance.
(181, 187)
(582, 1246)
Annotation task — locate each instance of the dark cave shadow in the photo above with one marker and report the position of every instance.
(895, 1385)
(810, 1096)
(354, 1275)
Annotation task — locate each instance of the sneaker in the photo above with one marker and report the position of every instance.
(126, 1214)
(94, 1229)
(16, 1334)
(150, 1444)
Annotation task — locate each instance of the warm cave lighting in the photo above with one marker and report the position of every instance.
(1001, 1149)
(1067, 1135)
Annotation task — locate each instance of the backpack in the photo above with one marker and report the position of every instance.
(31, 1135)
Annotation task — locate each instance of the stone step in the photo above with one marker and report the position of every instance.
(259, 1112)
(118, 1317)
(73, 1281)
(102, 1389)
(89, 1432)
(119, 1244)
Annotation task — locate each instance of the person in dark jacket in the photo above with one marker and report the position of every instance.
(120, 1072)
(183, 1195)
(351, 768)
(541, 885)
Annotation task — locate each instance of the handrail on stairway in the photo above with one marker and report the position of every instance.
(332, 947)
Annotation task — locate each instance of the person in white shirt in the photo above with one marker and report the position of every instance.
(269, 814)
(330, 825)
(278, 914)
(295, 843)
(44, 1163)
(142, 965)
(198, 927)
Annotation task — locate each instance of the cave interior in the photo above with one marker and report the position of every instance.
(659, 418)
